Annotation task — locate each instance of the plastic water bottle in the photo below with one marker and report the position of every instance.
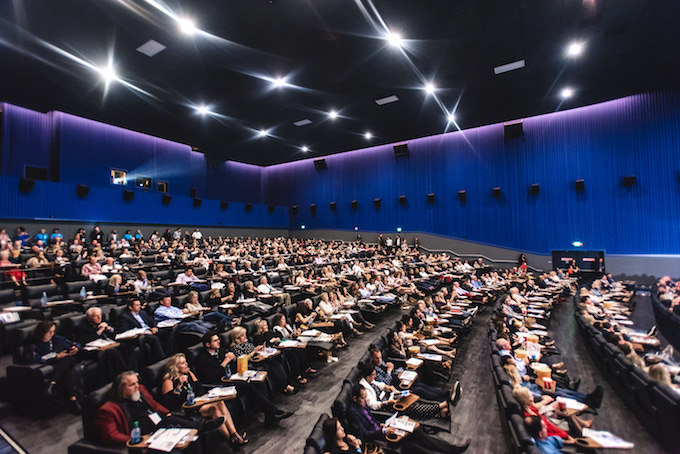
(43, 299)
(227, 372)
(191, 397)
(83, 293)
(136, 435)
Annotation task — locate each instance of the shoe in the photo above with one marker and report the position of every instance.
(574, 384)
(652, 331)
(668, 350)
(462, 448)
(74, 407)
(270, 420)
(458, 394)
(302, 380)
(293, 390)
(334, 359)
(559, 365)
(455, 390)
(237, 439)
(595, 398)
(208, 425)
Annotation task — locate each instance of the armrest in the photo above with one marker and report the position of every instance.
(29, 372)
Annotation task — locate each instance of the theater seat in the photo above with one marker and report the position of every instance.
(316, 439)
(90, 443)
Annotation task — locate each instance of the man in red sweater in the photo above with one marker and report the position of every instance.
(130, 402)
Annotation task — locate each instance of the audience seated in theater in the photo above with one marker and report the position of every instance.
(133, 318)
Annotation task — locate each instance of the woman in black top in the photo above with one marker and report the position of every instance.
(60, 353)
(177, 382)
(337, 441)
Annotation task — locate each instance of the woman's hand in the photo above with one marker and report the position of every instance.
(183, 379)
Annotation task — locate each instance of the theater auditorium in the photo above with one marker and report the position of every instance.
(305, 226)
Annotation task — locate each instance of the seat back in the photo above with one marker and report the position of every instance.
(342, 403)
(152, 375)
(316, 439)
(91, 404)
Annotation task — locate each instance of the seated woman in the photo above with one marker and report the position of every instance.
(293, 357)
(419, 409)
(594, 399)
(178, 380)
(337, 441)
(286, 331)
(407, 339)
(59, 352)
(660, 374)
(217, 318)
(241, 346)
(304, 318)
(530, 408)
(115, 285)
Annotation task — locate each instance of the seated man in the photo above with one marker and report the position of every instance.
(93, 328)
(134, 317)
(537, 430)
(211, 364)
(130, 402)
(93, 270)
(265, 289)
(363, 425)
(166, 311)
(188, 277)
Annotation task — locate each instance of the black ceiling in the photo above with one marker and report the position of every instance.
(332, 53)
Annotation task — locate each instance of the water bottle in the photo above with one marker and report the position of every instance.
(227, 372)
(191, 397)
(136, 435)
(83, 293)
(43, 300)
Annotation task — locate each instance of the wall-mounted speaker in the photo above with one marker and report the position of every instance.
(580, 185)
(355, 205)
(401, 150)
(294, 210)
(82, 190)
(402, 200)
(167, 198)
(224, 205)
(513, 131)
(249, 207)
(270, 209)
(197, 202)
(128, 195)
(462, 196)
(377, 203)
(26, 184)
(312, 208)
(497, 192)
(430, 198)
(629, 181)
(534, 189)
(320, 164)
(334, 206)
(192, 193)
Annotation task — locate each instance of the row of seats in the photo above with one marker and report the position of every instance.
(657, 407)
(667, 322)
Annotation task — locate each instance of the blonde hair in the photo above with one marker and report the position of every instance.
(522, 395)
(237, 332)
(660, 375)
(513, 373)
(171, 370)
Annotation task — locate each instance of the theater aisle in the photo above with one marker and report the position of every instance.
(613, 416)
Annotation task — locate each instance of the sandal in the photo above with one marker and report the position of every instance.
(237, 439)
(302, 380)
(310, 370)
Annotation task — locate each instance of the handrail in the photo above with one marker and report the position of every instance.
(476, 256)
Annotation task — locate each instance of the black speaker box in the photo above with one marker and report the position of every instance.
(401, 150)
(430, 197)
(580, 185)
(294, 210)
(270, 209)
(128, 195)
(26, 184)
(402, 200)
(355, 205)
(312, 208)
(334, 206)
(497, 192)
(167, 198)
(192, 193)
(249, 206)
(82, 190)
(197, 202)
(377, 203)
(320, 164)
(224, 205)
(513, 131)
(534, 189)
(629, 181)
(462, 196)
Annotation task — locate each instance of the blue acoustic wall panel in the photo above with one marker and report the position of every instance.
(638, 135)
(26, 140)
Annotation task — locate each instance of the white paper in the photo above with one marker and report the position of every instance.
(97, 344)
(130, 333)
(288, 344)
(607, 439)
(408, 375)
(167, 440)
(414, 362)
(431, 357)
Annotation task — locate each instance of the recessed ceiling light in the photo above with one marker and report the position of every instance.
(107, 73)
(386, 100)
(263, 132)
(452, 118)
(305, 149)
(567, 93)
(306, 121)
(332, 115)
(509, 67)
(429, 88)
(368, 135)
(395, 39)
(280, 82)
(574, 49)
(203, 110)
(151, 48)
(187, 26)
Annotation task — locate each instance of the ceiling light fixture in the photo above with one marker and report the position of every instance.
(368, 135)
(574, 49)
(280, 82)
(452, 118)
(509, 67)
(305, 149)
(332, 115)
(429, 88)
(395, 40)
(107, 73)
(567, 93)
(187, 26)
(263, 132)
(203, 110)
